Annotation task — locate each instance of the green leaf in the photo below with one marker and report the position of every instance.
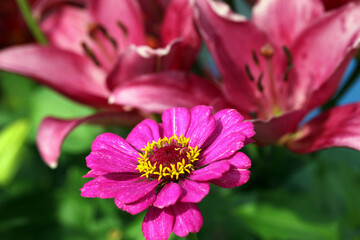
(270, 222)
(12, 142)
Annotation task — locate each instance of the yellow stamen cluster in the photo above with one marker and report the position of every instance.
(173, 170)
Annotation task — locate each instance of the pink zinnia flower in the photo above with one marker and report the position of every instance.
(284, 62)
(167, 167)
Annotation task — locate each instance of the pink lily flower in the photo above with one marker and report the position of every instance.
(284, 62)
(166, 168)
(98, 56)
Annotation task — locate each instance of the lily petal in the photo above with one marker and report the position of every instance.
(67, 28)
(160, 91)
(283, 20)
(317, 59)
(82, 81)
(52, 131)
(122, 20)
(270, 132)
(179, 13)
(138, 60)
(337, 127)
(235, 45)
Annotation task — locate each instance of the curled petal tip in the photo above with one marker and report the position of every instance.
(111, 99)
(53, 165)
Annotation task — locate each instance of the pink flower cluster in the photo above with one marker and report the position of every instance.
(167, 167)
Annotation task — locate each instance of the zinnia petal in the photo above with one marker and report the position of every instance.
(237, 174)
(144, 132)
(158, 223)
(108, 185)
(136, 190)
(188, 219)
(192, 191)
(228, 137)
(176, 121)
(168, 195)
(211, 171)
(201, 126)
(138, 206)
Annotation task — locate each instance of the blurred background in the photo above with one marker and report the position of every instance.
(288, 196)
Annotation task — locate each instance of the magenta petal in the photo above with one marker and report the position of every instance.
(158, 223)
(67, 28)
(201, 126)
(52, 131)
(188, 219)
(283, 20)
(233, 41)
(145, 132)
(111, 153)
(176, 121)
(192, 191)
(316, 68)
(179, 13)
(121, 19)
(338, 127)
(270, 132)
(93, 174)
(83, 81)
(134, 191)
(138, 60)
(228, 137)
(160, 91)
(237, 174)
(168, 195)
(108, 185)
(211, 171)
(138, 206)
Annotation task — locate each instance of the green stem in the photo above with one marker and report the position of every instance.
(344, 89)
(191, 236)
(30, 21)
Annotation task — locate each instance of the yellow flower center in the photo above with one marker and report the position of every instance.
(168, 158)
